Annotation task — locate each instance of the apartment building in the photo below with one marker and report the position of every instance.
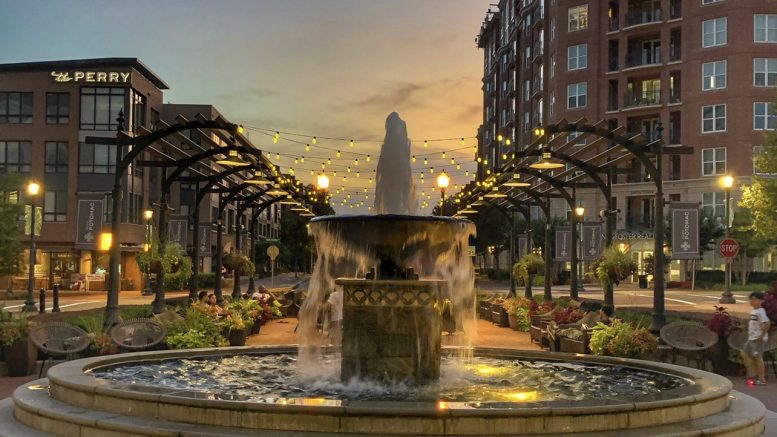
(705, 69)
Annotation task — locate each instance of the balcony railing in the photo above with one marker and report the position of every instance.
(635, 18)
(644, 98)
(637, 222)
(675, 95)
(675, 10)
(675, 53)
(612, 103)
(537, 51)
(613, 24)
(612, 64)
(643, 58)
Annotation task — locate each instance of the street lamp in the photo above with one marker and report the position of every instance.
(33, 188)
(727, 182)
(579, 213)
(322, 181)
(442, 182)
(147, 216)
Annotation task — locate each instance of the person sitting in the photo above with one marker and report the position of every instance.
(202, 297)
(605, 315)
(262, 294)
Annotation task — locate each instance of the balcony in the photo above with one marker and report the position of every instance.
(675, 10)
(635, 18)
(613, 24)
(638, 221)
(612, 64)
(537, 51)
(643, 98)
(643, 58)
(612, 102)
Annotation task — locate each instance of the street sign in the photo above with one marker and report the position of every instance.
(729, 248)
(273, 252)
(28, 219)
(471, 251)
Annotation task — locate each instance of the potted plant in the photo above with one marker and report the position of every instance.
(620, 339)
(722, 324)
(20, 353)
(250, 311)
(499, 313)
(236, 326)
(199, 328)
(529, 266)
(613, 267)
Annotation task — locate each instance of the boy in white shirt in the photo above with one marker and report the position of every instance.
(758, 335)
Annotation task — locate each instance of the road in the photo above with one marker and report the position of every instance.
(79, 301)
(630, 296)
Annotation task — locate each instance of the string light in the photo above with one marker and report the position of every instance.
(443, 155)
(413, 159)
(314, 140)
(350, 143)
(426, 144)
(368, 158)
(426, 161)
(307, 147)
(356, 161)
(338, 153)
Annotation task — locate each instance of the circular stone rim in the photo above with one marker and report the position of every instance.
(703, 386)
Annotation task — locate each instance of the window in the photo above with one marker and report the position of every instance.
(577, 57)
(57, 108)
(756, 152)
(15, 156)
(764, 116)
(155, 121)
(577, 95)
(714, 203)
(578, 18)
(135, 208)
(553, 28)
(713, 75)
(100, 107)
(526, 90)
(765, 71)
(107, 208)
(713, 118)
(552, 104)
(713, 161)
(552, 66)
(714, 32)
(764, 28)
(55, 206)
(138, 102)
(709, 2)
(56, 157)
(97, 158)
(15, 108)
(572, 135)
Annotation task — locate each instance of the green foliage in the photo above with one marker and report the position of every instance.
(622, 340)
(199, 328)
(249, 309)
(613, 267)
(528, 267)
(524, 320)
(173, 259)
(236, 260)
(14, 330)
(11, 247)
(206, 279)
(760, 197)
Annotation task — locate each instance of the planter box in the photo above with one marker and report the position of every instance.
(21, 358)
(513, 321)
(237, 337)
(499, 316)
(256, 327)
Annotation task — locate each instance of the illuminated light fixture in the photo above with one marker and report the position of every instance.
(727, 181)
(233, 159)
(314, 140)
(443, 155)
(479, 202)
(148, 214)
(338, 153)
(515, 181)
(322, 181)
(443, 180)
(458, 167)
(413, 159)
(307, 147)
(494, 193)
(504, 156)
(349, 169)
(277, 156)
(426, 161)
(277, 191)
(539, 131)
(258, 179)
(302, 159)
(240, 129)
(33, 188)
(546, 163)
(579, 211)
(453, 161)
(368, 158)
(288, 200)
(106, 240)
(431, 169)
(356, 161)
(462, 141)
(508, 142)
(426, 144)
(350, 143)
(500, 138)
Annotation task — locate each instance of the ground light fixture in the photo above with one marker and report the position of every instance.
(233, 159)
(515, 181)
(322, 181)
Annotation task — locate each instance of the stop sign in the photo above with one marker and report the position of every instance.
(729, 248)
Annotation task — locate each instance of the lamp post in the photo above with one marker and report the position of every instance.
(442, 181)
(322, 182)
(147, 216)
(33, 188)
(727, 182)
(579, 213)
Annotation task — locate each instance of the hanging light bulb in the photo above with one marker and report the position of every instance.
(334, 173)
(314, 140)
(370, 182)
(443, 155)
(458, 166)
(508, 142)
(302, 159)
(368, 158)
(462, 141)
(358, 174)
(453, 160)
(504, 156)
(426, 144)
(499, 138)
(350, 143)
(349, 169)
(329, 161)
(480, 159)
(277, 156)
(431, 169)
(338, 153)
(356, 161)
(307, 147)
(413, 159)
(426, 161)
(296, 160)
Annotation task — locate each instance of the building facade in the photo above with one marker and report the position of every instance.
(705, 69)
(47, 110)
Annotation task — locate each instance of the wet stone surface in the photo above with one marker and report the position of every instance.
(269, 378)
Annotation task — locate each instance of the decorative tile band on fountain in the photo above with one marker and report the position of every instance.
(391, 329)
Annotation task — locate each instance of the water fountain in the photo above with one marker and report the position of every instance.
(397, 273)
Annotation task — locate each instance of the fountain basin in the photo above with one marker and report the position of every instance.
(703, 396)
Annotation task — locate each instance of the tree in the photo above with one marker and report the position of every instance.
(751, 244)
(11, 248)
(761, 196)
(493, 229)
(450, 207)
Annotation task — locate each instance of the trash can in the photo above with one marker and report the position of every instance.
(643, 281)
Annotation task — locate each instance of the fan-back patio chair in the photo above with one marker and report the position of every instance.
(689, 339)
(59, 339)
(138, 334)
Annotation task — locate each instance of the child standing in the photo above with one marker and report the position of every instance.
(758, 335)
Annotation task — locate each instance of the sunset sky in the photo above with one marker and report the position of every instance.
(319, 67)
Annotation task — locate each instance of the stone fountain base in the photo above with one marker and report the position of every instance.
(391, 329)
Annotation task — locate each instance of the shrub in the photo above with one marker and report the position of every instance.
(14, 330)
(524, 321)
(236, 260)
(770, 302)
(622, 340)
(199, 328)
(721, 322)
(569, 315)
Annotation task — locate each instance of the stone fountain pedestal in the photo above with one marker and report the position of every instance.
(391, 329)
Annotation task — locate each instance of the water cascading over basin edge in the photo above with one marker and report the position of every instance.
(397, 273)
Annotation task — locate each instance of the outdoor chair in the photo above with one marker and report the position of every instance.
(138, 334)
(737, 339)
(59, 339)
(689, 339)
(168, 317)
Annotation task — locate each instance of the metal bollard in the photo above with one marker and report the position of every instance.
(42, 309)
(55, 308)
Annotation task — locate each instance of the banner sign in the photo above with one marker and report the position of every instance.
(522, 246)
(592, 241)
(685, 231)
(563, 243)
(89, 221)
(206, 234)
(177, 231)
(28, 219)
